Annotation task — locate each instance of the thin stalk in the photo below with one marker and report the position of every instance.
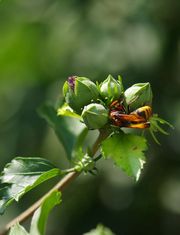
(103, 134)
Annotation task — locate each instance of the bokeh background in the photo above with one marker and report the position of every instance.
(41, 44)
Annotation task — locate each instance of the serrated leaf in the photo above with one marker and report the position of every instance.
(39, 219)
(67, 129)
(66, 110)
(127, 151)
(100, 230)
(21, 175)
(17, 229)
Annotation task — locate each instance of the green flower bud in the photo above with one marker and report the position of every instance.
(95, 116)
(138, 95)
(78, 92)
(111, 88)
(86, 164)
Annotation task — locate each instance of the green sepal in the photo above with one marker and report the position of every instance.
(82, 91)
(95, 116)
(111, 89)
(155, 127)
(138, 95)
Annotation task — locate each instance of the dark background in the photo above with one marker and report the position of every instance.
(41, 44)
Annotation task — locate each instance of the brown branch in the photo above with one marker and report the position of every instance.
(26, 214)
(59, 186)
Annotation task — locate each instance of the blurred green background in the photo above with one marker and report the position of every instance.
(41, 44)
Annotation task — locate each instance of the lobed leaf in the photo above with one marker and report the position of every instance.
(127, 151)
(21, 175)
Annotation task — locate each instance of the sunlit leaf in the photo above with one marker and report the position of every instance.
(127, 151)
(17, 229)
(39, 219)
(66, 110)
(21, 175)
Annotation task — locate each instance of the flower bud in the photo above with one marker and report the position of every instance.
(111, 88)
(95, 116)
(78, 92)
(86, 164)
(138, 95)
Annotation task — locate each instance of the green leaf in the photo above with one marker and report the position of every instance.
(39, 219)
(77, 153)
(67, 129)
(66, 110)
(127, 151)
(21, 175)
(100, 230)
(17, 229)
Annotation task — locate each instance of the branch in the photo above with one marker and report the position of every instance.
(59, 186)
(28, 213)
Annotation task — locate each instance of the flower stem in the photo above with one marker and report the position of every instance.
(103, 134)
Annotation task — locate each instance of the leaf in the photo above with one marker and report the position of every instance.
(66, 110)
(39, 219)
(100, 230)
(77, 153)
(21, 175)
(67, 129)
(17, 229)
(127, 151)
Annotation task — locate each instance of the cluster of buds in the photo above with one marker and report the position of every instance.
(94, 101)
